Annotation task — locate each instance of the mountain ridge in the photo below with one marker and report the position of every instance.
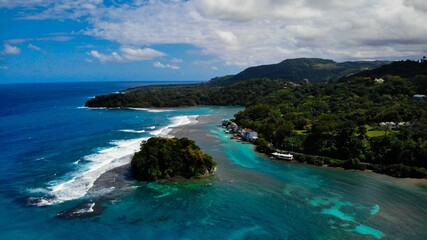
(314, 70)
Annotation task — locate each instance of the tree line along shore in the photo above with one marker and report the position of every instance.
(372, 119)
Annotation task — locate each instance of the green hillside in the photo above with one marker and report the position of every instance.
(241, 89)
(366, 120)
(357, 122)
(303, 69)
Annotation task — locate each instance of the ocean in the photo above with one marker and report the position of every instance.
(63, 175)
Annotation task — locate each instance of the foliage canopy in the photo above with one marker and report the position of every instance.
(161, 158)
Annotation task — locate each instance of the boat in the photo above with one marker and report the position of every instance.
(283, 156)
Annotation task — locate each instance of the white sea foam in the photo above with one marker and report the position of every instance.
(82, 107)
(153, 110)
(41, 202)
(176, 122)
(98, 163)
(132, 131)
(161, 132)
(37, 190)
(87, 209)
(100, 192)
(152, 127)
(77, 184)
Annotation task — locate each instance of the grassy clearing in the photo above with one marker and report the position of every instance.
(376, 133)
(300, 132)
(373, 132)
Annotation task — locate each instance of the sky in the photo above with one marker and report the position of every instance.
(195, 40)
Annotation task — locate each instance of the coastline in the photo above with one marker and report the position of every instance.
(119, 180)
(117, 177)
(249, 195)
(191, 129)
(112, 184)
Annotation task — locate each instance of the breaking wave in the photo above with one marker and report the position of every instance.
(77, 184)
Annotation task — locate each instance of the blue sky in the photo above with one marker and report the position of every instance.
(145, 40)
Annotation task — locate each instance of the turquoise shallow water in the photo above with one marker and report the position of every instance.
(250, 196)
(344, 204)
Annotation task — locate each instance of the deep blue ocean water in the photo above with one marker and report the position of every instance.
(53, 150)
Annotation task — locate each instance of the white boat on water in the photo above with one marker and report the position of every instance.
(283, 156)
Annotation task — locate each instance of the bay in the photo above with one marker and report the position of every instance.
(53, 150)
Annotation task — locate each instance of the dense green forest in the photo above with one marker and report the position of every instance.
(162, 158)
(241, 89)
(313, 70)
(241, 93)
(364, 120)
(355, 122)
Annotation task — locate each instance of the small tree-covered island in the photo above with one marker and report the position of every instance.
(165, 158)
(355, 115)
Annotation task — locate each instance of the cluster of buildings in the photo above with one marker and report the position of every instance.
(414, 97)
(379, 80)
(419, 96)
(393, 125)
(245, 134)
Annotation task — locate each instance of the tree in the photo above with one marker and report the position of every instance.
(161, 158)
(284, 130)
(263, 146)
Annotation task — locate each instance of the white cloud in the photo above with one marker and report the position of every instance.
(58, 9)
(137, 54)
(161, 65)
(247, 32)
(36, 48)
(112, 57)
(228, 38)
(57, 38)
(127, 54)
(210, 64)
(417, 4)
(247, 10)
(86, 46)
(177, 60)
(11, 50)
(24, 3)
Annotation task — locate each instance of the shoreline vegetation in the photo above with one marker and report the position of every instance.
(372, 119)
(394, 170)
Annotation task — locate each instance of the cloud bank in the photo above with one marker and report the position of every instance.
(170, 66)
(127, 54)
(247, 32)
